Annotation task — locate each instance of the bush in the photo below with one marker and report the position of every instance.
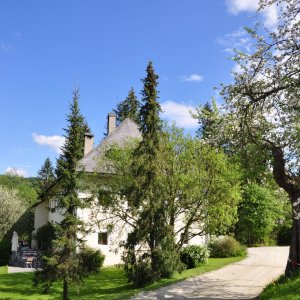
(5, 252)
(91, 260)
(194, 255)
(226, 247)
(141, 273)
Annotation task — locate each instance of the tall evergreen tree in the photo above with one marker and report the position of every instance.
(83, 127)
(63, 262)
(210, 121)
(46, 174)
(148, 195)
(129, 108)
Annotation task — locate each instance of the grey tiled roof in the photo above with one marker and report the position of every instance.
(125, 131)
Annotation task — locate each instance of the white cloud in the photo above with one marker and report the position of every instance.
(236, 6)
(270, 13)
(179, 113)
(6, 46)
(192, 78)
(16, 171)
(271, 16)
(238, 39)
(54, 142)
(237, 69)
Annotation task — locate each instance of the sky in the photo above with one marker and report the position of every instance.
(48, 48)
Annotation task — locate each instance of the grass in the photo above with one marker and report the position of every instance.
(284, 288)
(110, 284)
(3, 270)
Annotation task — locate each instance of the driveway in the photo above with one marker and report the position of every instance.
(242, 280)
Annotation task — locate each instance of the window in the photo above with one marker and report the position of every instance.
(102, 238)
(53, 204)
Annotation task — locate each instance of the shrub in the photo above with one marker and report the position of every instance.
(139, 271)
(91, 260)
(5, 252)
(226, 247)
(194, 255)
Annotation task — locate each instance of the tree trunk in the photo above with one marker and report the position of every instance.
(66, 290)
(291, 185)
(293, 262)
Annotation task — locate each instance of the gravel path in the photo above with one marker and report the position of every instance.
(242, 280)
(19, 270)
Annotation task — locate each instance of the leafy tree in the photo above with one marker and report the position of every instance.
(257, 217)
(27, 188)
(63, 262)
(11, 208)
(129, 108)
(264, 105)
(46, 173)
(208, 118)
(199, 183)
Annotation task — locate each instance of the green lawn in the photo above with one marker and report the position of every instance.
(3, 270)
(283, 289)
(109, 284)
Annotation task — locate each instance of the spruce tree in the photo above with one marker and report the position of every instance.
(147, 194)
(46, 174)
(63, 262)
(129, 108)
(83, 127)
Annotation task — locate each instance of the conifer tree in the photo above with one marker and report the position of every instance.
(63, 262)
(147, 194)
(129, 108)
(83, 127)
(46, 173)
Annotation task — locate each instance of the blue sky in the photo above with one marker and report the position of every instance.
(49, 47)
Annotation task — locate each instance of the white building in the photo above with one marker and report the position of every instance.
(101, 236)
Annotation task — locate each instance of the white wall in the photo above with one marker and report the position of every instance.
(40, 219)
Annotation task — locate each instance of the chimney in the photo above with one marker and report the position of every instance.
(88, 143)
(111, 122)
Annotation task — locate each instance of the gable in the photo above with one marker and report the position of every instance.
(126, 131)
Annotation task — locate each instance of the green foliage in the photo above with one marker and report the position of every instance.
(256, 215)
(91, 260)
(226, 247)
(63, 261)
(44, 236)
(194, 255)
(138, 271)
(209, 119)
(27, 188)
(146, 193)
(5, 252)
(160, 179)
(129, 108)
(46, 174)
